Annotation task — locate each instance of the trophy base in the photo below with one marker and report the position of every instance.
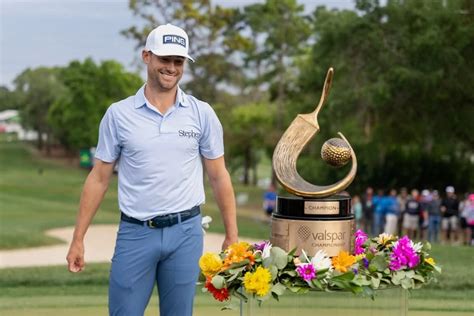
(306, 230)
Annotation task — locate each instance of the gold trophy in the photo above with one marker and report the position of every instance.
(318, 218)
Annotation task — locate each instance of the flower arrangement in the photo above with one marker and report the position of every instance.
(264, 271)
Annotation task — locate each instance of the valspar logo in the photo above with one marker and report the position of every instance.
(174, 39)
(188, 134)
(304, 233)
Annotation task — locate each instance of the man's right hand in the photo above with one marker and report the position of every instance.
(75, 256)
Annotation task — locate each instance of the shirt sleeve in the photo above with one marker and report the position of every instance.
(108, 147)
(211, 145)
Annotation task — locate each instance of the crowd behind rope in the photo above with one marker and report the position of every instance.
(446, 218)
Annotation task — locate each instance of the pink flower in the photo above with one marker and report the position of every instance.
(360, 239)
(306, 271)
(403, 255)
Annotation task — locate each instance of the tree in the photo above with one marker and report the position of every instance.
(248, 128)
(279, 32)
(213, 39)
(91, 88)
(402, 90)
(9, 99)
(38, 89)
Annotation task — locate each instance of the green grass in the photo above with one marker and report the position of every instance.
(37, 194)
(53, 287)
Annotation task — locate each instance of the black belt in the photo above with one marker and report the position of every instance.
(161, 221)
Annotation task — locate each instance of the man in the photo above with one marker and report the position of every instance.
(269, 200)
(368, 210)
(392, 211)
(434, 217)
(411, 219)
(450, 214)
(163, 138)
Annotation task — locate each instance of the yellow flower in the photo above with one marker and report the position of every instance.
(210, 264)
(430, 261)
(238, 252)
(343, 261)
(258, 282)
(384, 239)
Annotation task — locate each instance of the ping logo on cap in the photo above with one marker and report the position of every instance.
(174, 39)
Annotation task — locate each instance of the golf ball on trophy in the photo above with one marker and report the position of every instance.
(336, 152)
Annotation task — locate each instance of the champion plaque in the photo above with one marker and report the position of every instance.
(317, 217)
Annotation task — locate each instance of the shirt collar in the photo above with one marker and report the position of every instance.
(140, 100)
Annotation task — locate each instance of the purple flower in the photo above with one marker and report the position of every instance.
(403, 255)
(260, 245)
(366, 262)
(306, 271)
(355, 271)
(360, 239)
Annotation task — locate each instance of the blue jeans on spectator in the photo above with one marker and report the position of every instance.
(378, 223)
(433, 227)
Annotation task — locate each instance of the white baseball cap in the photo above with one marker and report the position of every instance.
(450, 189)
(168, 40)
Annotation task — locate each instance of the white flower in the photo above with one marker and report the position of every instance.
(321, 261)
(205, 222)
(266, 250)
(417, 247)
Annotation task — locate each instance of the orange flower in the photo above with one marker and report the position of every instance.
(238, 252)
(343, 261)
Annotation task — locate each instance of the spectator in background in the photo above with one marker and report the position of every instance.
(434, 217)
(412, 215)
(392, 211)
(465, 230)
(450, 214)
(402, 201)
(269, 200)
(357, 210)
(368, 210)
(469, 215)
(423, 224)
(379, 215)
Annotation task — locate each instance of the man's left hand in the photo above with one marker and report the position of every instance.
(229, 241)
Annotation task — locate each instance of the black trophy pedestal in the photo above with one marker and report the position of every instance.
(313, 224)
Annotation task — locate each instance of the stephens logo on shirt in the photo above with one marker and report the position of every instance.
(189, 134)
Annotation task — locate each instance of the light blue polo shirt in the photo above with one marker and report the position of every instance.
(160, 169)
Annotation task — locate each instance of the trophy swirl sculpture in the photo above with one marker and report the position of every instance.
(317, 218)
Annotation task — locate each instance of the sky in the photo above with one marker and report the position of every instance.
(50, 33)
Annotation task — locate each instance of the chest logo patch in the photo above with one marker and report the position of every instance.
(189, 134)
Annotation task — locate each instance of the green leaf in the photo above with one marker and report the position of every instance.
(317, 284)
(239, 264)
(346, 276)
(279, 257)
(233, 305)
(291, 273)
(218, 282)
(375, 283)
(379, 262)
(240, 295)
(419, 278)
(407, 283)
(410, 274)
(233, 277)
(278, 289)
(273, 271)
(236, 270)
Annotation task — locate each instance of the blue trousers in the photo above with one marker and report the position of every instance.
(166, 256)
(433, 227)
